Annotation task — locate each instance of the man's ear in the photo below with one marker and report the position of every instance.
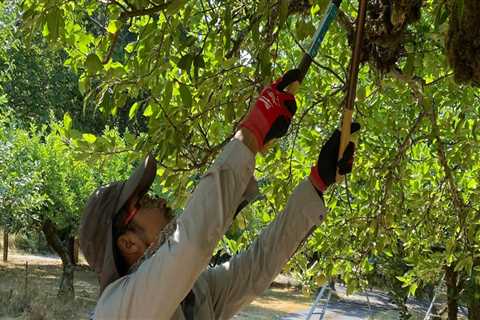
(128, 244)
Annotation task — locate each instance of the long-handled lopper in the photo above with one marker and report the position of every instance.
(328, 17)
(352, 80)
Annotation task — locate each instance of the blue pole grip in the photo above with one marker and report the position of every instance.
(322, 30)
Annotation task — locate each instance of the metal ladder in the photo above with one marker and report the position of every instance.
(429, 315)
(321, 302)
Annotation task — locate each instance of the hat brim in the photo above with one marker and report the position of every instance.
(109, 269)
(139, 182)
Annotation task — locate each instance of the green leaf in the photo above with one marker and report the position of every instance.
(167, 94)
(175, 6)
(133, 110)
(83, 84)
(148, 112)
(114, 26)
(3, 99)
(283, 12)
(229, 112)
(412, 289)
(186, 95)
(361, 93)
(410, 64)
(54, 19)
(90, 138)
(67, 121)
(441, 15)
(228, 22)
(93, 63)
(185, 63)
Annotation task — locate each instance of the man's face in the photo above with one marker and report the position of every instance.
(152, 215)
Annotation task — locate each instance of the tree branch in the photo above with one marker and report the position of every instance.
(111, 49)
(144, 12)
(417, 85)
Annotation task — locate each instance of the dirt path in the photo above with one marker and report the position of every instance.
(29, 284)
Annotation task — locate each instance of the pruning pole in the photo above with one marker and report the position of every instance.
(319, 35)
(352, 81)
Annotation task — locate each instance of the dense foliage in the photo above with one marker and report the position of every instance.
(190, 69)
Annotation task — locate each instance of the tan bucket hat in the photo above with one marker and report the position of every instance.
(96, 234)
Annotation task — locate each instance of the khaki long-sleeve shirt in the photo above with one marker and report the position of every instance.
(158, 287)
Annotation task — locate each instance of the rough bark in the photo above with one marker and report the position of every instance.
(474, 303)
(452, 292)
(73, 250)
(66, 290)
(474, 310)
(5, 245)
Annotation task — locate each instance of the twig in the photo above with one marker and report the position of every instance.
(315, 62)
(112, 48)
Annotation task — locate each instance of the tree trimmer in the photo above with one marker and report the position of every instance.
(329, 16)
(352, 81)
(308, 57)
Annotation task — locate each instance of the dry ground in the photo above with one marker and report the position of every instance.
(29, 284)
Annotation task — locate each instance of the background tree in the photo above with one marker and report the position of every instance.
(45, 187)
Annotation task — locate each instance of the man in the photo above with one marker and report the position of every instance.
(152, 266)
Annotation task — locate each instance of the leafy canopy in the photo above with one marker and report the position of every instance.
(192, 68)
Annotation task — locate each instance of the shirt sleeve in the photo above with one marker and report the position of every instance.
(237, 282)
(159, 285)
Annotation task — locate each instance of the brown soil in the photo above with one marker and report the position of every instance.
(28, 290)
(463, 41)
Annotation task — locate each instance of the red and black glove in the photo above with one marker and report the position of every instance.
(273, 111)
(324, 173)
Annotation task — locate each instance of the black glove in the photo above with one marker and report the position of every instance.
(324, 173)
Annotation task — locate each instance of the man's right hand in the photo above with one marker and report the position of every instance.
(324, 173)
(272, 113)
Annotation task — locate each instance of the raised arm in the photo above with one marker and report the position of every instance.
(156, 289)
(249, 273)
(237, 282)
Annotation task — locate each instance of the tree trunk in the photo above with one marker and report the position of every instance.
(66, 290)
(452, 292)
(474, 303)
(5, 245)
(73, 250)
(474, 310)
(331, 283)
